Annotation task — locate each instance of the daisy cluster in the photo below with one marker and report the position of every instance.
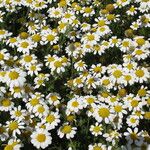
(74, 74)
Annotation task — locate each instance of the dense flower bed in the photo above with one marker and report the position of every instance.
(74, 74)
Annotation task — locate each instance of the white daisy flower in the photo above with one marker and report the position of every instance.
(74, 105)
(103, 113)
(97, 146)
(13, 144)
(49, 37)
(51, 120)
(15, 77)
(67, 130)
(25, 46)
(53, 99)
(15, 127)
(34, 69)
(18, 113)
(133, 121)
(28, 59)
(41, 110)
(17, 91)
(4, 55)
(6, 104)
(112, 137)
(133, 136)
(142, 74)
(80, 65)
(96, 129)
(41, 138)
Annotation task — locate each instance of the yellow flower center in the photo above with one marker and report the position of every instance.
(90, 100)
(90, 37)
(57, 64)
(118, 108)
(125, 44)
(78, 80)
(5, 102)
(62, 25)
(56, 12)
(24, 44)
(138, 113)
(132, 9)
(66, 129)
(17, 89)
(70, 118)
(9, 147)
(1, 56)
(117, 73)
(103, 112)
(13, 75)
(50, 59)
(78, 8)
(127, 77)
(62, 3)
(75, 104)
(18, 113)
(142, 92)
(130, 66)
(33, 68)
(134, 103)
(113, 99)
(90, 81)
(41, 138)
(102, 29)
(132, 120)
(41, 109)
(13, 125)
(24, 35)
(34, 101)
(39, 4)
(53, 98)
(111, 17)
(12, 40)
(97, 129)
(140, 41)
(147, 115)
(40, 82)
(80, 64)
(67, 15)
(105, 94)
(27, 58)
(106, 82)
(139, 73)
(97, 48)
(87, 10)
(2, 32)
(97, 69)
(114, 41)
(97, 148)
(139, 52)
(133, 136)
(122, 92)
(36, 38)
(50, 37)
(123, 1)
(101, 23)
(88, 46)
(50, 118)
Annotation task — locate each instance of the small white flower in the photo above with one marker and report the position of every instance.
(41, 138)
